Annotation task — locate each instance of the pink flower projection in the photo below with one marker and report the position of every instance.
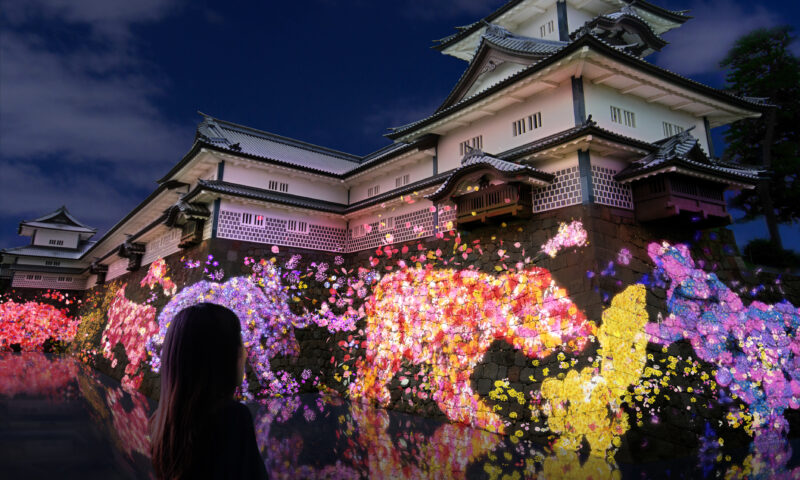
(35, 374)
(756, 348)
(30, 324)
(131, 426)
(447, 320)
(569, 235)
(130, 324)
(157, 275)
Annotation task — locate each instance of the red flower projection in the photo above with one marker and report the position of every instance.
(30, 324)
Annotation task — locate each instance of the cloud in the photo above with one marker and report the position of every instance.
(79, 118)
(699, 45)
(107, 18)
(28, 191)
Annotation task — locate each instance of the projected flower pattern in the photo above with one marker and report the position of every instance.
(431, 311)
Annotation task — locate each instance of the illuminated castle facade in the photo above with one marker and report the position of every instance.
(557, 107)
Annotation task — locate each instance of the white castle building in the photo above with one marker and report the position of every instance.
(557, 107)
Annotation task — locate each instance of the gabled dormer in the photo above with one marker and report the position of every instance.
(58, 229)
(500, 55)
(624, 29)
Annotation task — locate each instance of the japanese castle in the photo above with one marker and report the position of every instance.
(557, 107)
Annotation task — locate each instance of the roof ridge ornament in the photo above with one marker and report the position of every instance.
(472, 152)
(496, 30)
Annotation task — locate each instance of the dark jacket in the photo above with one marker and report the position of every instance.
(227, 447)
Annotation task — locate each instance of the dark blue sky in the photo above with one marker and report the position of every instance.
(98, 98)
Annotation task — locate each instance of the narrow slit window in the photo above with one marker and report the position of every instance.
(386, 224)
(671, 129)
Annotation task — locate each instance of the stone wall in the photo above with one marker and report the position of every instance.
(610, 358)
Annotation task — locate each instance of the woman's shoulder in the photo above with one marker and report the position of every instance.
(232, 410)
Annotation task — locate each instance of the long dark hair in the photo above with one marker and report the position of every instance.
(199, 362)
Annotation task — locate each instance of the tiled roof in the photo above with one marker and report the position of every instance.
(476, 159)
(497, 37)
(500, 37)
(465, 31)
(588, 127)
(305, 202)
(223, 187)
(59, 219)
(21, 267)
(249, 142)
(583, 39)
(240, 139)
(35, 251)
(684, 150)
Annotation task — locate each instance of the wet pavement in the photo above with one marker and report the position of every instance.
(60, 419)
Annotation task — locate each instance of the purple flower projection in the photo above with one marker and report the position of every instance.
(262, 305)
(756, 348)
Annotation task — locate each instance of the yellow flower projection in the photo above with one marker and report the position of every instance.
(586, 404)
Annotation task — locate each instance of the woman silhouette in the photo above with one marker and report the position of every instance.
(198, 430)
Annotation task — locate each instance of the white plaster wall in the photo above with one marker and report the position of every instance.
(497, 130)
(91, 280)
(576, 18)
(259, 177)
(488, 79)
(530, 27)
(43, 238)
(554, 164)
(43, 262)
(209, 224)
(649, 116)
(48, 280)
(281, 214)
(161, 246)
(117, 268)
(386, 175)
(377, 216)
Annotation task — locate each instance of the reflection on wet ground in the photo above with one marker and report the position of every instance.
(60, 419)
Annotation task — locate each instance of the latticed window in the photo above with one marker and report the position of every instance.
(468, 145)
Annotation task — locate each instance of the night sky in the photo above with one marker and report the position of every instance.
(99, 98)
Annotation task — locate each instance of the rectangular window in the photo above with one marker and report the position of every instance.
(623, 117)
(671, 129)
(548, 27)
(472, 144)
(520, 127)
(630, 119)
(52, 263)
(56, 242)
(535, 120)
(296, 226)
(253, 219)
(531, 122)
(403, 180)
(616, 115)
(386, 224)
(278, 186)
(33, 277)
(64, 279)
(372, 191)
(358, 231)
